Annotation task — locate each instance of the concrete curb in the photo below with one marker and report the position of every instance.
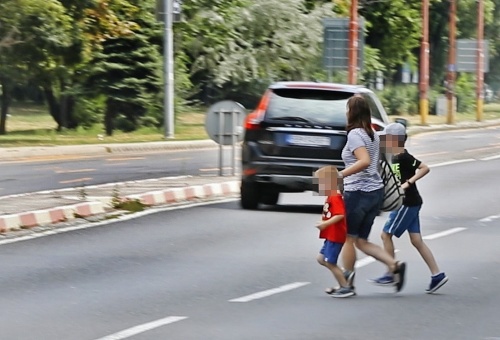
(102, 149)
(417, 129)
(66, 213)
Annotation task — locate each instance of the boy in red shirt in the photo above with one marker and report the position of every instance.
(332, 228)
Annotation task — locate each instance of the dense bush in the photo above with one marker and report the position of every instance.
(465, 92)
(400, 100)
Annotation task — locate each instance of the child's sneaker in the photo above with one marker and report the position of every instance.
(437, 281)
(400, 272)
(343, 292)
(384, 280)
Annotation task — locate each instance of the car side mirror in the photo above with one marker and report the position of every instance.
(402, 121)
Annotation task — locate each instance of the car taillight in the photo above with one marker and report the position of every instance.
(254, 119)
(377, 127)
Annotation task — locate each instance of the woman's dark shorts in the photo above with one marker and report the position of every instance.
(361, 209)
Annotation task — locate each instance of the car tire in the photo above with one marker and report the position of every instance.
(270, 197)
(249, 195)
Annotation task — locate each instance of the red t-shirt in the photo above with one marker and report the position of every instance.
(334, 205)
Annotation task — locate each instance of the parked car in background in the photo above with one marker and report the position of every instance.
(297, 128)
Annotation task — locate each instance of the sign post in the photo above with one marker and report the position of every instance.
(224, 125)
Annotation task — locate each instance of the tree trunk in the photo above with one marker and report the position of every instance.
(6, 99)
(70, 110)
(109, 116)
(54, 107)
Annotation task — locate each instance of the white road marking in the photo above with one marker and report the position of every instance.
(367, 260)
(269, 292)
(490, 158)
(432, 154)
(215, 169)
(127, 333)
(77, 180)
(51, 191)
(458, 161)
(489, 218)
(73, 171)
(443, 233)
(491, 146)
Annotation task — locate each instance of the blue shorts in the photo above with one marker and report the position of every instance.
(405, 218)
(361, 209)
(331, 251)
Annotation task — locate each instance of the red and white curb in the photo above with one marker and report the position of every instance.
(176, 195)
(65, 213)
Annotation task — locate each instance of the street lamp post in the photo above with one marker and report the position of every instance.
(451, 63)
(168, 67)
(424, 64)
(480, 61)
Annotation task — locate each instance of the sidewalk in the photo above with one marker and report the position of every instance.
(26, 211)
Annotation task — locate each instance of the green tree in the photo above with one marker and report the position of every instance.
(394, 29)
(127, 71)
(42, 30)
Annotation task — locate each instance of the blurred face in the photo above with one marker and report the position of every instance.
(327, 183)
(392, 143)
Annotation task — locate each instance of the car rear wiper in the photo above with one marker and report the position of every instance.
(292, 118)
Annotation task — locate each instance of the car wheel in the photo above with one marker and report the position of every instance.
(249, 195)
(270, 197)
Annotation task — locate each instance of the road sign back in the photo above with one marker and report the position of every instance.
(224, 120)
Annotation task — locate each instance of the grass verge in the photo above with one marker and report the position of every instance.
(31, 125)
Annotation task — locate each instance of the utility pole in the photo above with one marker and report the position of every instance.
(452, 63)
(353, 44)
(168, 67)
(480, 61)
(424, 64)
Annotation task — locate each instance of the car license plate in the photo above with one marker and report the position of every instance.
(304, 140)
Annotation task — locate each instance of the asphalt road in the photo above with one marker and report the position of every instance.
(56, 172)
(192, 274)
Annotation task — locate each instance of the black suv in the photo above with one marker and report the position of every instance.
(297, 128)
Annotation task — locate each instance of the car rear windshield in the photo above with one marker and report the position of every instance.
(314, 106)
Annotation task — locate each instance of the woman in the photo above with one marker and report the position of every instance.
(363, 190)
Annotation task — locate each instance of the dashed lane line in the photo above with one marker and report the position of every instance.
(367, 260)
(121, 159)
(443, 233)
(127, 333)
(74, 171)
(51, 191)
(291, 286)
(269, 292)
(490, 158)
(491, 146)
(489, 218)
(432, 154)
(77, 180)
(458, 161)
